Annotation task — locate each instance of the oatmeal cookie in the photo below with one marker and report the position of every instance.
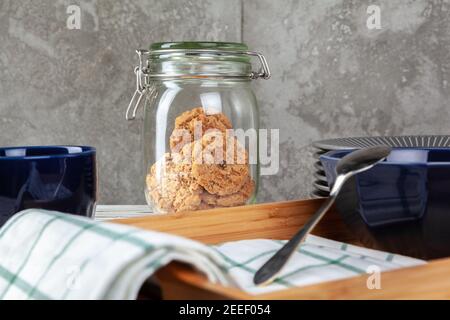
(185, 126)
(171, 187)
(231, 200)
(219, 163)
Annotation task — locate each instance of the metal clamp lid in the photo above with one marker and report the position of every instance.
(140, 72)
(143, 76)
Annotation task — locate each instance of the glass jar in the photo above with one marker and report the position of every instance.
(200, 134)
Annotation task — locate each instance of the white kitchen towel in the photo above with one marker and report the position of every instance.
(50, 255)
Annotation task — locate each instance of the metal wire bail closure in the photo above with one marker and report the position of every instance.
(141, 88)
(264, 71)
(142, 75)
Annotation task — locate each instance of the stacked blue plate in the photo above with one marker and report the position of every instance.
(321, 188)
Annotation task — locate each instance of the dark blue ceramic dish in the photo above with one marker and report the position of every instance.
(62, 178)
(402, 204)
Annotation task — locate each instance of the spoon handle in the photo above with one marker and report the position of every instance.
(274, 265)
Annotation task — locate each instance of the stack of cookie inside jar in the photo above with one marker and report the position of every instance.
(207, 167)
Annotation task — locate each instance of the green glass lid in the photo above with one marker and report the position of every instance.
(194, 45)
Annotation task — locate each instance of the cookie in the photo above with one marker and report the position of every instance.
(219, 163)
(231, 200)
(192, 124)
(170, 186)
(157, 182)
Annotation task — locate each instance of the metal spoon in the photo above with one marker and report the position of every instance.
(351, 164)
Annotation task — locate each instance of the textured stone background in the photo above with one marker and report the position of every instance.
(331, 75)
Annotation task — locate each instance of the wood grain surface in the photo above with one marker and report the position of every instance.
(280, 221)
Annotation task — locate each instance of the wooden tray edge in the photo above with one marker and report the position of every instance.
(179, 281)
(428, 281)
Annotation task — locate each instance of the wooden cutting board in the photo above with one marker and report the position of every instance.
(280, 221)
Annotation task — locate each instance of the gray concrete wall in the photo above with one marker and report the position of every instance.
(332, 76)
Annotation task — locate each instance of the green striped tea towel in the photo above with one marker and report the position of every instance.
(50, 255)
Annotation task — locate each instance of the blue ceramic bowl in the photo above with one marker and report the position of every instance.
(402, 204)
(62, 178)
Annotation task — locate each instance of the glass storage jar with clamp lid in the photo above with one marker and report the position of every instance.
(200, 134)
